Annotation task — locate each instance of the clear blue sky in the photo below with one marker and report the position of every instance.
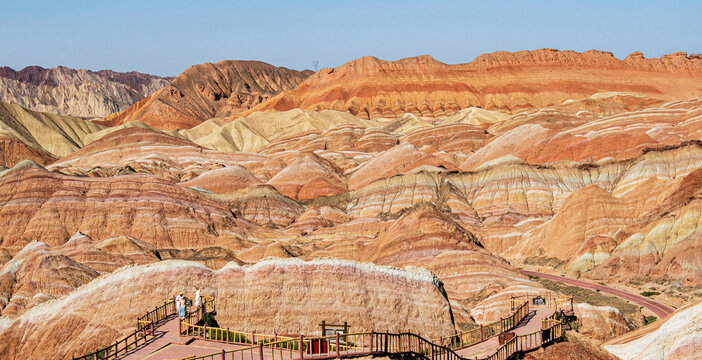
(165, 37)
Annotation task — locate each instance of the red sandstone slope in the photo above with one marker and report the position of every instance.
(38, 204)
(14, 150)
(210, 90)
(373, 88)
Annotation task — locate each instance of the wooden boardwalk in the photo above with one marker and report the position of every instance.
(531, 324)
(161, 335)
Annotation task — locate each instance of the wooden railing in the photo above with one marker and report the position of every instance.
(156, 315)
(560, 303)
(207, 305)
(551, 331)
(273, 347)
(145, 330)
(227, 336)
(140, 336)
(336, 346)
(484, 332)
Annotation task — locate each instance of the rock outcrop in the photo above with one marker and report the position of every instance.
(82, 93)
(678, 336)
(14, 150)
(276, 296)
(372, 88)
(53, 134)
(39, 273)
(602, 323)
(309, 177)
(254, 132)
(546, 136)
(145, 150)
(210, 90)
(38, 204)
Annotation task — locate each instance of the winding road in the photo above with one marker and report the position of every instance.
(657, 308)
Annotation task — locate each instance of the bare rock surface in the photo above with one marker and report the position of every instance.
(602, 323)
(209, 90)
(54, 134)
(72, 92)
(372, 88)
(283, 296)
(675, 337)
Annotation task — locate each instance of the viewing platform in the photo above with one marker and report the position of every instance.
(532, 323)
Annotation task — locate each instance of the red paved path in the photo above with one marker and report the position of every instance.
(168, 344)
(488, 347)
(657, 308)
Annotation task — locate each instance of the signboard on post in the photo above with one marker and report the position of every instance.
(538, 301)
(333, 329)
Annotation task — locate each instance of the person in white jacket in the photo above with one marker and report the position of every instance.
(197, 298)
(180, 307)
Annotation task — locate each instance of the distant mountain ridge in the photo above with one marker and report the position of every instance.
(209, 90)
(372, 88)
(76, 92)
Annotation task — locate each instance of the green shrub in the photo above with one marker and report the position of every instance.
(650, 319)
(208, 320)
(237, 337)
(650, 293)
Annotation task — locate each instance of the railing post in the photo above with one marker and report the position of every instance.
(502, 325)
(337, 346)
(222, 354)
(371, 342)
(260, 350)
(460, 339)
(204, 331)
(302, 352)
(387, 340)
(481, 332)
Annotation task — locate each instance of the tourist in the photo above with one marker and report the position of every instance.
(180, 305)
(197, 297)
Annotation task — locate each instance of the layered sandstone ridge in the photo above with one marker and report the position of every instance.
(549, 135)
(210, 90)
(602, 323)
(275, 296)
(40, 273)
(81, 93)
(38, 204)
(372, 88)
(14, 150)
(678, 336)
(54, 134)
(254, 132)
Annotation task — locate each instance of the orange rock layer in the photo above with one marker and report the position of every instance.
(209, 90)
(373, 88)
